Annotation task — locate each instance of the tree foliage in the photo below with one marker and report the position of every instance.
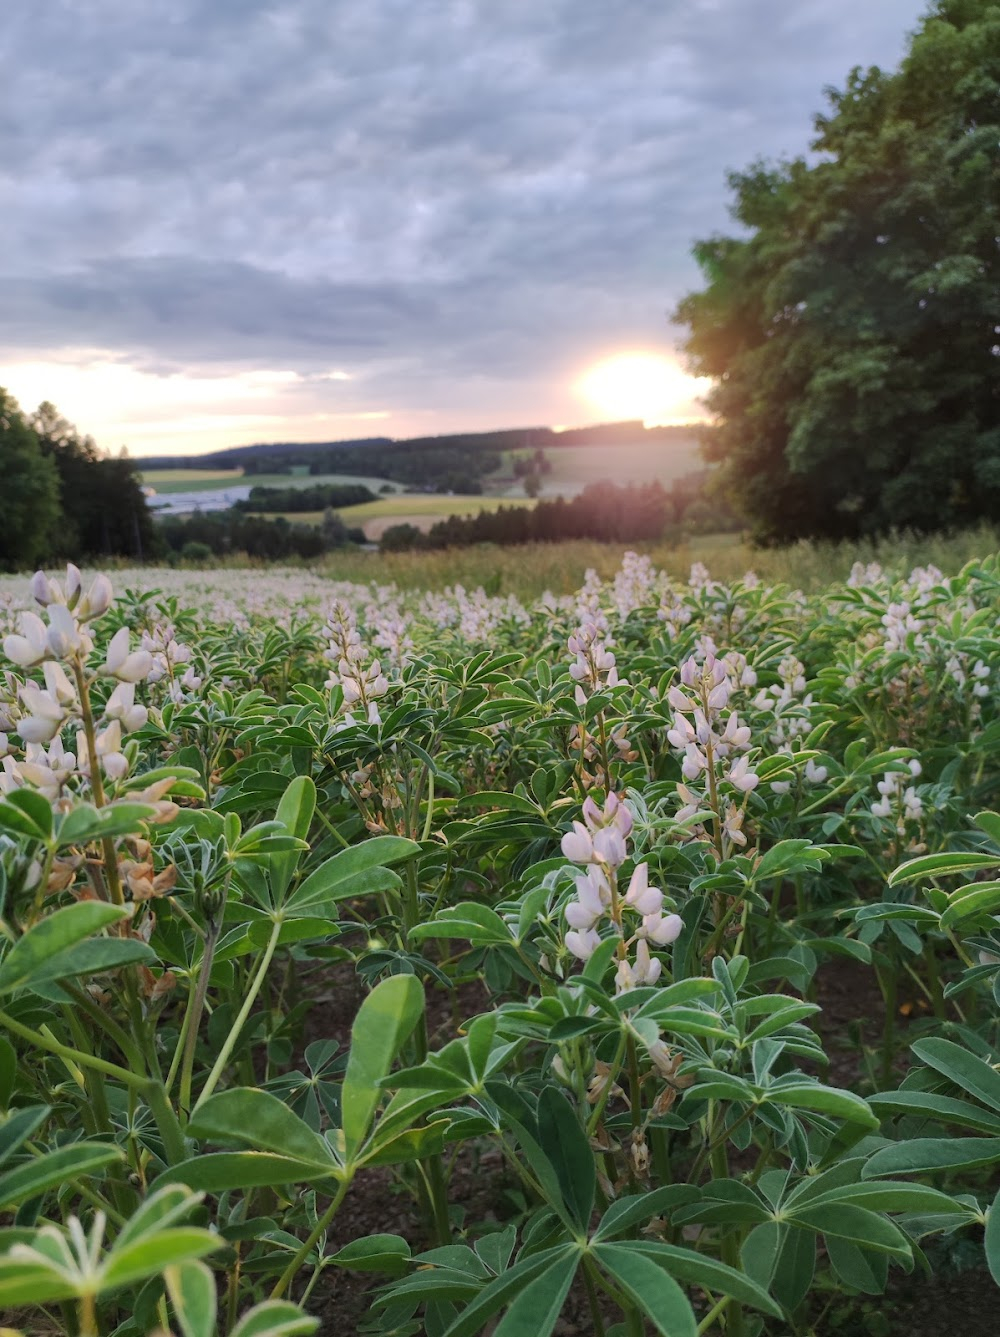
(854, 331)
(30, 491)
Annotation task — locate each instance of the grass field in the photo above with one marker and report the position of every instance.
(166, 481)
(530, 569)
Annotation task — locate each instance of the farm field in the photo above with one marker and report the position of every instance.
(167, 481)
(414, 508)
(574, 467)
(428, 953)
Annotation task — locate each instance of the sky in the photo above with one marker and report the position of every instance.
(228, 221)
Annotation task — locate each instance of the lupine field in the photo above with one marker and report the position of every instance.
(592, 868)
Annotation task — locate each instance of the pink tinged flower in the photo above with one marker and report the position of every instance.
(681, 734)
(718, 697)
(690, 672)
(679, 701)
(97, 600)
(662, 929)
(646, 970)
(592, 814)
(580, 696)
(583, 945)
(44, 716)
(42, 589)
(609, 847)
(58, 685)
(735, 734)
(74, 583)
(694, 762)
(64, 634)
(742, 777)
(815, 775)
(643, 898)
(31, 647)
(577, 844)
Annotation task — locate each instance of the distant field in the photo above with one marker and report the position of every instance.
(209, 480)
(573, 467)
(420, 509)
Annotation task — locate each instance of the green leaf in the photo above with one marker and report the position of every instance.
(991, 1239)
(191, 1287)
(961, 1067)
(34, 955)
(18, 1127)
(54, 1169)
(222, 1170)
(471, 921)
(356, 871)
(298, 803)
(567, 1146)
(629, 1211)
(825, 1100)
(86, 823)
(990, 823)
(980, 898)
(891, 1196)
(856, 1224)
(472, 1319)
(150, 1255)
(539, 1304)
(923, 1154)
(697, 1270)
(275, 1318)
(27, 813)
(940, 865)
(649, 1286)
(374, 1253)
(383, 1024)
(947, 1110)
(163, 1207)
(788, 856)
(860, 1269)
(26, 1282)
(246, 1115)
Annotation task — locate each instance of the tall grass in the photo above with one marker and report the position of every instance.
(530, 569)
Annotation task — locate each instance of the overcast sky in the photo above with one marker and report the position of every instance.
(226, 221)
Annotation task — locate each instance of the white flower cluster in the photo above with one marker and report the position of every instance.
(594, 664)
(600, 843)
(38, 714)
(903, 803)
(635, 584)
(362, 683)
(713, 743)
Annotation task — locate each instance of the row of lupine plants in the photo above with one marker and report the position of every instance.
(651, 824)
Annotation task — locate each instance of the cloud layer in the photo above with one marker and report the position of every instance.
(461, 203)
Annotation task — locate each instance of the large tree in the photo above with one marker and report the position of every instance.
(29, 491)
(853, 332)
(104, 511)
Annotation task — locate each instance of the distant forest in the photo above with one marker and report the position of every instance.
(455, 463)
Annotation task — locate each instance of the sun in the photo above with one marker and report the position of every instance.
(649, 386)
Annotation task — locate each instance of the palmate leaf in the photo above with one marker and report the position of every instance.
(649, 1286)
(697, 1270)
(492, 1299)
(924, 1154)
(567, 1147)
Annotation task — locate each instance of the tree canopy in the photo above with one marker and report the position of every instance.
(853, 331)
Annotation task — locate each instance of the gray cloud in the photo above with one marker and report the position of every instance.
(440, 195)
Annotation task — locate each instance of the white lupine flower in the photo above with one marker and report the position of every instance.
(742, 777)
(44, 717)
(121, 706)
(583, 945)
(122, 665)
(815, 775)
(641, 897)
(58, 685)
(97, 600)
(31, 647)
(646, 970)
(662, 929)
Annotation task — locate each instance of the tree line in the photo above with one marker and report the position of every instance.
(62, 499)
(605, 512)
(315, 498)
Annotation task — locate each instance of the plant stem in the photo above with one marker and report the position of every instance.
(135, 1080)
(234, 1034)
(288, 1276)
(192, 1018)
(730, 1250)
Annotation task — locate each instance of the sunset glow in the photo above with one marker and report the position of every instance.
(642, 385)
